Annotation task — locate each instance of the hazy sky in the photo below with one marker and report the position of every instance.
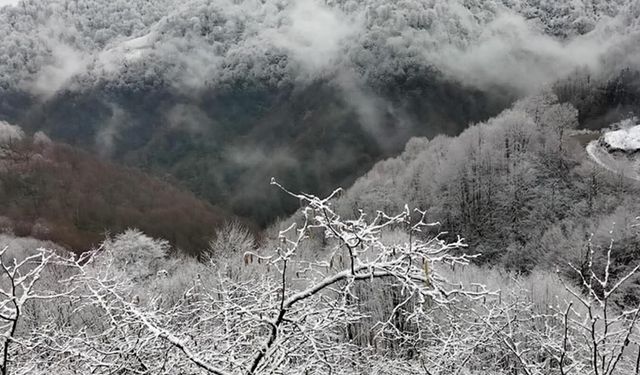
(8, 2)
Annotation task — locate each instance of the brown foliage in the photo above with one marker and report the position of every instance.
(58, 193)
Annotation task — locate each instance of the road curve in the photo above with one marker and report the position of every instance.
(626, 168)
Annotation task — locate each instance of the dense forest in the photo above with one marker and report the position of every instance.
(543, 282)
(223, 95)
(519, 187)
(318, 187)
(51, 191)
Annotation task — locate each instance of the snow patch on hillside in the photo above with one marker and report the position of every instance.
(626, 139)
(618, 150)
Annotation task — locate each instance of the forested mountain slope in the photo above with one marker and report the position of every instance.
(223, 95)
(519, 188)
(52, 191)
(342, 287)
(482, 240)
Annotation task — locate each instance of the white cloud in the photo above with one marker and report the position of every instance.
(106, 138)
(314, 34)
(510, 52)
(63, 63)
(67, 62)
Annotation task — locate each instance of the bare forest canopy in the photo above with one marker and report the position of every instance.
(520, 188)
(53, 192)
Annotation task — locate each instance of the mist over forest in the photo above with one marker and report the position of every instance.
(224, 95)
(320, 187)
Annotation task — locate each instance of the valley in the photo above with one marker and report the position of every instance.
(249, 187)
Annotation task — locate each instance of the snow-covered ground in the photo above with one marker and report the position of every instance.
(626, 139)
(618, 150)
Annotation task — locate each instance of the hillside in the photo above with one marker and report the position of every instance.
(51, 191)
(319, 187)
(345, 286)
(225, 95)
(520, 188)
